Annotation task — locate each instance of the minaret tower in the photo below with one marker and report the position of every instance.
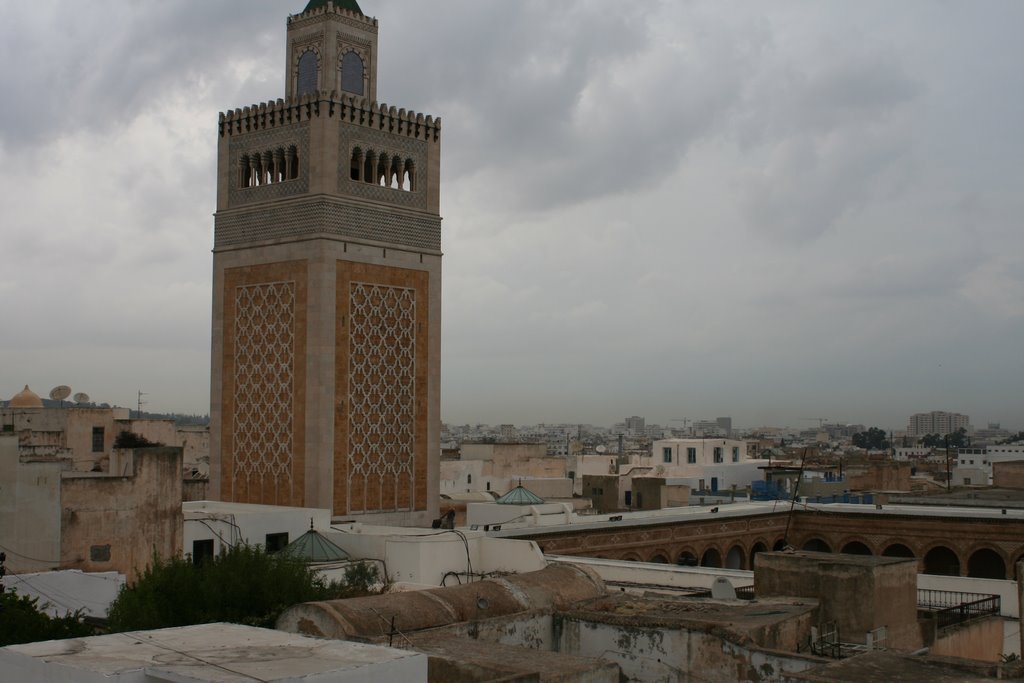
(325, 386)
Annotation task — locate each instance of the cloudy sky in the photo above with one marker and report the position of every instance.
(775, 210)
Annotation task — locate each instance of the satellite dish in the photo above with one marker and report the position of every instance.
(81, 397)
(60, 393)
(601, 449)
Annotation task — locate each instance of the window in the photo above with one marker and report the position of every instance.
(352, 73)
(307, 80)
(469, 478)
(202, 551)
(276, 542)
(718, 454)
(967, 481)
(735, 453)
(691, 456)
(666, 454)
(488, 486)
(97, 439)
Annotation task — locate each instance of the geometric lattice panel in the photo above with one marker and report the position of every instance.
(381, 397)
(264, 380)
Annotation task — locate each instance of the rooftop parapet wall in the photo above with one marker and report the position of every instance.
(346, 108)
(368, 23)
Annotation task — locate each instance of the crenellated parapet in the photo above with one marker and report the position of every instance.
(344, 108)
(339, 13)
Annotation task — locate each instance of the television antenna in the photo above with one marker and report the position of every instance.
(59, 393)
(141, 402)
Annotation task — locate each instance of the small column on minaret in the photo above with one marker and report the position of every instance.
(410, 168)
(280, 170)
(254, 170)
(371, 167)
(268, 164)
(291, 164)
(359, 163)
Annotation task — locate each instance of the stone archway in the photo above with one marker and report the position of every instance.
(856, 548)
(816, 545)
(734, 558)
(687, 559)
(711, 558)
(897, 550)
(986, 563)
(942, 561)
(757, 548)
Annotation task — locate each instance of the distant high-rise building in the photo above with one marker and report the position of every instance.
(726, 424)
(635, 424)
(937, 422)
(327, 288)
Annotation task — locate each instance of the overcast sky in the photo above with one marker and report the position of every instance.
(773, 210)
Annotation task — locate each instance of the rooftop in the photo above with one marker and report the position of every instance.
(211, 652)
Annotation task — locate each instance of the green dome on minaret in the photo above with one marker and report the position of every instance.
(350, 5)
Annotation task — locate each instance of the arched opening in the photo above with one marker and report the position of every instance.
(395, 174)
(356, 165)
(352, 73)
(711, 558)
(943, 561)
(410, 175)
(986, 564)
(306, 82)
(758, 548)
(687, 559)
(779, 545)
(734, 558)
(817, 545)
(631, 557)
(659, 559)
(856, 548)
(898, 550)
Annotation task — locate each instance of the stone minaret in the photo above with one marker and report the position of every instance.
(325, 386)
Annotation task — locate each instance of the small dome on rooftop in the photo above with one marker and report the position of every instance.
(26, 398)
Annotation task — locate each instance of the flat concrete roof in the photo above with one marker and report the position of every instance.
(216, 653)
(755, 508)
(740, 616)
(883, 667)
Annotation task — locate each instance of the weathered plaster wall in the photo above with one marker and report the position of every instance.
(117, 523)
(981, 639)
(29, 509)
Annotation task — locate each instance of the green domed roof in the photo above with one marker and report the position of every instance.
(520, 496)
(350, 5)
(313, 546)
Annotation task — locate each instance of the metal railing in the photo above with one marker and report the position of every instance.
(955, 607)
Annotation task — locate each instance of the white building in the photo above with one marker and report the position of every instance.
(974, 465)
(704, 464)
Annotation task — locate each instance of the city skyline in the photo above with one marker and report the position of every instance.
(769, 213)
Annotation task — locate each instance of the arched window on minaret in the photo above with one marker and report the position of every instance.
(352, 73)
(306, 82)
(410, 175)
(356, 167)
(395, 173)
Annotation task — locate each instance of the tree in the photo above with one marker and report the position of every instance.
(126, 439)
(21, 621)
(242, 585)
(957, 439)
(872, 440)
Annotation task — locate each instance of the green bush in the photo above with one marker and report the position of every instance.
(22, 622)
(242, 585)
